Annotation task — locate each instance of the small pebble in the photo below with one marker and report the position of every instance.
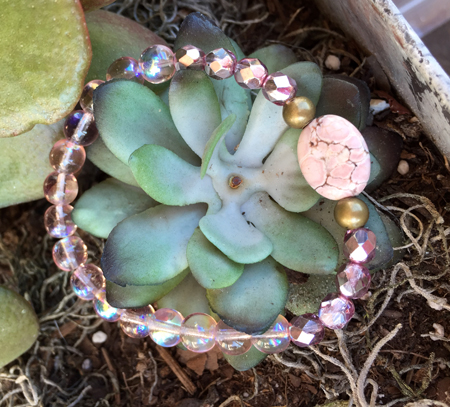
(403, 167)
(378, 106)
(333, 62)
(99, 337)
(87, 364)
(245, 394)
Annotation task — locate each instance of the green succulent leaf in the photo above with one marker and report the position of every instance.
(150, 248)
(210, 267)
(102, 207)
(246, 361)
(237, 49)
(44, 55)
(275, 57)
(90, 5)
(298, 243)
(262, 288)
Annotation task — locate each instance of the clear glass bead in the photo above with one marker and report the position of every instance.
(278, 88)
(165, 327)
(250, 73)
(306, 330)
(67, 157)
(87, 95)
(353, 280)
(189, 57)
(134, 322)
(157, 64)
(69, 253)
(104, 310)
(360, 245)
(231, 341)
(220, 63)
(275, 339)
(125, 68)
(87, 281)
(198, 332)
(80, 128)
(58, 221)
(335, 311)
(60, 188)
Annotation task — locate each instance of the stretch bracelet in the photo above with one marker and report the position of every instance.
(200, 332)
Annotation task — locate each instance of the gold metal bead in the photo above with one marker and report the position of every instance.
(351, 213)
(298, 112)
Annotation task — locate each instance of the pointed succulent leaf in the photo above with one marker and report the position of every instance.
(171, 180)
(44, 46)
(262, 288)
(298, 243)
(150, 248)
(90, 5)
(129, 115)
(24, 164)
(275, 57)
(210, 267)
(237, 49)
(230, 233)
(246, 361)
(102, 207)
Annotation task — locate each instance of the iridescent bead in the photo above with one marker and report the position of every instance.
(80, 128)
(335, 311)
(190, 57)
(69, 253)
(157, 64)
(87, 95)
(67, 157)
(306, 330)
(134, 322)
(220, 63)
(125, 68)
(87, 281)
(60, 188)
(278, 88)
(250, 73)
(165, 327)
(104, 310)
(58, 221)
(197, 332)
(231, 341)
(353, 280)
(360, 245)
(275, 339)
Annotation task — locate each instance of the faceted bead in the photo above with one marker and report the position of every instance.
(125, 68)
(275, 339)
(198, 332)
(67, 157)
(353, 280)
(134, 322)
(360, 245)
(230, 341)
(80, 128)
(306, 330)
(165, 327)
(104, 310)
(87, 96)
(220, 63)
(69, 253)
(278, 88)
(58, 221)
(60, 188)
(190, 57)
(157, 64)
(250, 73)
(335, 311)
(87, 281)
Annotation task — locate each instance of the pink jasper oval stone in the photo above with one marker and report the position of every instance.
(334, 157)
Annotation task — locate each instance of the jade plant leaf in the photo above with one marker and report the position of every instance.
(90, 5)
(102, 207)
(275, 57)
(246, 361)
(44, 46)
(150, 248)
(24, 164)
(255, 300)
(210, 267)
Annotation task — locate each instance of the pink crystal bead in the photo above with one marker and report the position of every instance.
(58, 221)
(250, 73)
(360, 245)
(190, 57)
(231, 341)
(275, 339)
(306, 330)
(60, 188)
(69, 253)
(353, 280)
(278, 88)
(157, 64)
(134, 322)
(125, 68)
(104, 310)
(80, 128)
(220, 63)
(165, 327)
(87, 95)
(197, 332)
(335, 311)
(67, 157)
(87, 281)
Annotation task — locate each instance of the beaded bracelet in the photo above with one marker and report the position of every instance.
(199, 332)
